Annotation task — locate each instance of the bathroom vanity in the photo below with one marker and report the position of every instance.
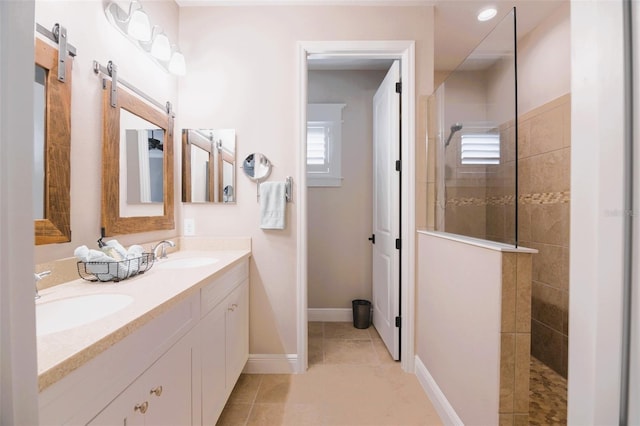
(172, 356)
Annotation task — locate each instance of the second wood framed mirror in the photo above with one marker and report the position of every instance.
(52, 147)
(209, 166)
(137, 165)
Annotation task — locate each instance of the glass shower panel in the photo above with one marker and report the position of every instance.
(476, 168)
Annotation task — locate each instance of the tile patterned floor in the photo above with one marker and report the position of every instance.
(351, 380)
(547, 396)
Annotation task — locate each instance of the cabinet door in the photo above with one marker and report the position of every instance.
(213, 364)
(237, 333)
(167, 386)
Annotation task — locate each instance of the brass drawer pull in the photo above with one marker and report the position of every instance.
(142, 407)
(157, 391)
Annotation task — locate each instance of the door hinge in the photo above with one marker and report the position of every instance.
(372, 238)
(398, 322)
(398, 165)
(398, 243)
(399, 87)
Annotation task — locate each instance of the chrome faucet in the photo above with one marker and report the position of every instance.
(162, 246)
(38, 277)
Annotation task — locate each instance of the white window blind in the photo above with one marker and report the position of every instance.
(324, 144)
(318, 142)
(479, 149)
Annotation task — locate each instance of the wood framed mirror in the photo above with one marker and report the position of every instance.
(52, 147)
(209, 166)
(132, 129)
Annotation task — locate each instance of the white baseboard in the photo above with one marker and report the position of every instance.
(330, 314)
(446, 412)
(271, 364)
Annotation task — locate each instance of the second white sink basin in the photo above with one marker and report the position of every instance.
(187, 262)
(71, 312)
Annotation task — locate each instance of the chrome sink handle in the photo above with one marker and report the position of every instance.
(38, 277)
(162, 246)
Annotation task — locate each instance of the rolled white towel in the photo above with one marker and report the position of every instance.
(133, 257)
(134, 251)
(98, 263)
(118, 248)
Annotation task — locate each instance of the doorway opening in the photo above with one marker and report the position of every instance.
(327, 55)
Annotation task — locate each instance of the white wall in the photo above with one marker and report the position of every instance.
(596, 212)
(243, 75)
(544, 61)
(340, 219)
(18, 379)
(96, 39)
(459, 290)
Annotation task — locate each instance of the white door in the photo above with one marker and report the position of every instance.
(386, 209)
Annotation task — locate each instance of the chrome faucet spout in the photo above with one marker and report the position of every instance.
(38, 277)
(162, 246)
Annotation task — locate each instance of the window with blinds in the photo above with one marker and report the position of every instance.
(324, 144)
(318, 144)
(480, 149)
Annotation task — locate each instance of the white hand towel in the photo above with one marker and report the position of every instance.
(272, 205)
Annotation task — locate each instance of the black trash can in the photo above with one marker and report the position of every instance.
(361, 313)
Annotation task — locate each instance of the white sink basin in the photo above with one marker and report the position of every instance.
(187, 262)
(64, 314)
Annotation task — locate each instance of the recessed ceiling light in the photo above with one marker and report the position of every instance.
(487, 13)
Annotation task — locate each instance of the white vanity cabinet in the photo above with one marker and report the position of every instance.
(160, 396)
(224, 339)
(177, 369)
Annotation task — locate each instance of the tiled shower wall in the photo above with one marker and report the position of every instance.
(544, 159)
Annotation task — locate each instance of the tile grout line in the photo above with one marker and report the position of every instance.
(253, 402)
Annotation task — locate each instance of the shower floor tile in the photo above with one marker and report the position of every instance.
(547, 396)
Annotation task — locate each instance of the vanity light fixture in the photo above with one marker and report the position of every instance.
(177, 64)
(151, 39)
(135, 23)
(160, 45)
(487, 13)
(139, 26)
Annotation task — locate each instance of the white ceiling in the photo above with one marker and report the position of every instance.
(457, 31)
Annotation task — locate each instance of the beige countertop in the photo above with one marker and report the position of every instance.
(153, 293)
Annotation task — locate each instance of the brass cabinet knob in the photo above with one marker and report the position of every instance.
(142, 407)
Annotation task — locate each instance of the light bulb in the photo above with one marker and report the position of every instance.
(161, 48)
(139, 26)
(177, 65)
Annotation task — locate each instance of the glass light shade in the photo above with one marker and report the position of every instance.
(161, 48)
(139, 26)
(177, 65)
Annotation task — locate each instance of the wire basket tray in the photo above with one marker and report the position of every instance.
(117, 270)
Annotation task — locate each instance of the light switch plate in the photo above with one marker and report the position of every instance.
(189, 227)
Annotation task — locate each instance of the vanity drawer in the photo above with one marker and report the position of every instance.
(76, 398)
(218, 288)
